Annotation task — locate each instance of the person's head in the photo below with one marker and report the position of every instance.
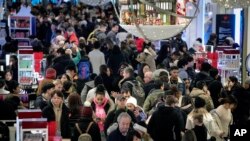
(247, 84)
(159, 84)
(70, 30)
(133, 135)
(199, 103)
(109, 71)
(13, 60)
(190, 61)
(171, 100)
(128, 72)
(205, 67)
(124, 121)
(8, 75)
(229, 102)
(232, 80)
(174, 72)
(213, 37)
(201, 85)
(103, 27)
(145, 68)
(57, 98)
(187, 83)
(74, 103)
(66, 86)
(182, 63)
(100, 94)
(58, 84)
(65, 77)
(71, 71)
(131, 103)
(115, 27)
(14, 87)
(199, 40)
(163, 76)
(175, 55)
(198, 119)
(214, 73)
(97, 45)
(183, 48)
(120, 102)
(50, 73)
(103, 69)
(148, 76)
(126, 91)
(123, 65)
(48, 88)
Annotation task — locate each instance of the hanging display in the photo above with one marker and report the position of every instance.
(155, 19)
(95, 2)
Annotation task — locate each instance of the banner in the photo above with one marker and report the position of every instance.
(225, 27)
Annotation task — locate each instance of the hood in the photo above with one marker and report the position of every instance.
(196, 92)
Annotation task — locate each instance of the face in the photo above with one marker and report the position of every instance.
(145, 69)
(187, 83)
(64, 78)
(17, 90)
(100, 99)
(12, 61)
(8, 76)
(229, 106)
(116, 28)
(103, 29)
(59, 87)
(130, 106)
(246, 86)
(124, 124)
(174, 73)
(108, 72)
(126, 94)
(191, 64)
(121, 104)
(230, 83)
(125, 74)
(146, 79)
(56, 100)
(136, 139)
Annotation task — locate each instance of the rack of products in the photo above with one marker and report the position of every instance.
(21, 27)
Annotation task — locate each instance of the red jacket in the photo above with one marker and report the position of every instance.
(72, 38)
(139, 44)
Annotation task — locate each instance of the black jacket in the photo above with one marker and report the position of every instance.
(94, 130)
(116, 136)
(49, 113)
(165, 124)
(60, 63)
(40, 102)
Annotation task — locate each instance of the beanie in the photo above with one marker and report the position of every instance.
(50, 73)
(87, 110)
(132, 100)
(199, 102)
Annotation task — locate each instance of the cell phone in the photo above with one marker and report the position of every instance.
(69, 45)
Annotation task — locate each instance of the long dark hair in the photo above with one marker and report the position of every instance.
(74, 103)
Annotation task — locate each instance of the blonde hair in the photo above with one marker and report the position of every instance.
(57, 81)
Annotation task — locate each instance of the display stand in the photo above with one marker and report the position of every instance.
(25, 66)
(229, 64)
(31, 126)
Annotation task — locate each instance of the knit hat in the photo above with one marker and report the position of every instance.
(132, 100)
(140, 126)
(50, 73)
(87, 110)
(199, 102)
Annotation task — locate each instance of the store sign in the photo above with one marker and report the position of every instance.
(225, 27)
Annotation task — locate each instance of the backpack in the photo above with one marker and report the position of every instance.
(4, 132)
(84, 69)
(84, 136)
(137, 91)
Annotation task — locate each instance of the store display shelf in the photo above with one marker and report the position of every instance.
(19, 28)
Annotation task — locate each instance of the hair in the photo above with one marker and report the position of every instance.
(140, 72)
(181, 63)
(174, 68)
(67, 85)
(213, 72)
(199, 40)
(14, 57)
(200, 84)
(98, 80)
(176, 53)
(116, 50)
(189, 58)
(103, 69)
(100, 90)
(158, 84)
(47, 86)
(129, 70)
(163, 76)
(170, 99)
(123, 115)
(131, 134)
(127, 88)
(230, 99)
(70, 29)
(58, 93)
(198, 116)
(57, 81)
(71, 68)
(13, 85)
(97, 45)
(8, 70)
(205, 66)
(74, 103)
(233, 79)
(67, 76)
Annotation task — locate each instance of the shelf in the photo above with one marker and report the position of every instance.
(224, 68)
(22, 38)
(20, 28)
(25, 69)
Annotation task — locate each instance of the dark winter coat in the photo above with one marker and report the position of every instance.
(165, 123)
(49, 113)
(60, 63)
(116, 136)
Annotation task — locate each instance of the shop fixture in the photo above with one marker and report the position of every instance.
(233, 3)
(95, 2)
